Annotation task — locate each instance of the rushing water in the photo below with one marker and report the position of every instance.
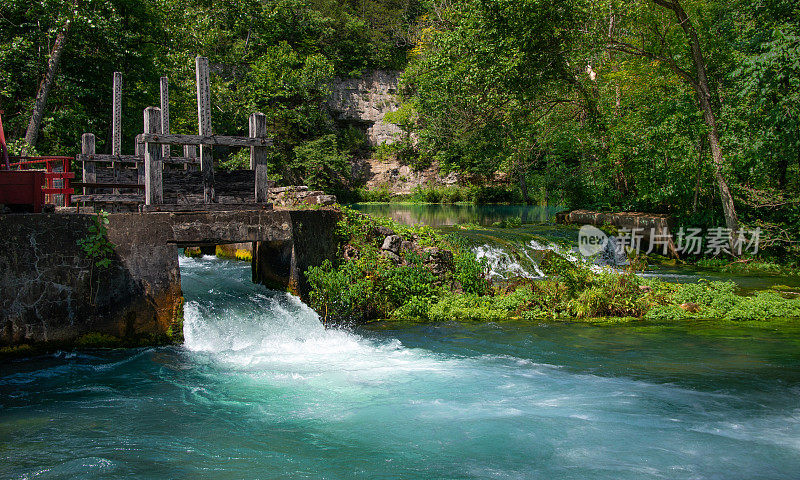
(262, 390)
(513, 252)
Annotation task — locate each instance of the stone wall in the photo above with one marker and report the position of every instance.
(280, 264)
(50, 292)
(364, 101)
(645, 223)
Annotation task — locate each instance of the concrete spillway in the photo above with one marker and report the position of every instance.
(51, 292)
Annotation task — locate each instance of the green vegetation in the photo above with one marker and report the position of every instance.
(98, 340)
(99, 250)
(95, 244)
(684, 107)
(473, 194)
(365, 284)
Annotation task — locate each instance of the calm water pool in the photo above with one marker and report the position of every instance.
(262, 390)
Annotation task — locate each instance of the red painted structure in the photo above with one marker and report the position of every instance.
(22, 189)
(30, 184)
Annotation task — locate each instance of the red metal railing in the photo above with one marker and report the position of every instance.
(56, 177)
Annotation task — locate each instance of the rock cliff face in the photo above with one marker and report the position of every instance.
(364, 101)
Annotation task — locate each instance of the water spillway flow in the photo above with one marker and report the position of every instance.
(262, 390)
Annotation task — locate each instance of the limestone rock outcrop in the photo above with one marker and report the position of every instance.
(364, 101)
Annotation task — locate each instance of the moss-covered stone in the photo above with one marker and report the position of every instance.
(98, 340)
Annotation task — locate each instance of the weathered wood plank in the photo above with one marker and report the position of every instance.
(258, 156)
(116, 123)
(130, 198)
(87, 149)
(139, 150)
(190, 151)
(212, 207)
(134, 186)
(153, 188)
(116, 115)
(133, 159)
(164, 84)
(210, 140)
(204, 127)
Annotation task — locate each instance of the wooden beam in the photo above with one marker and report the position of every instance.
(212, 207)
(134, 186)
(109, 198)
(258, 156)
(139, 150)
(116, 123)
(153, 187)
(207, 140)
(204, 127)
(164, 84)
(134, 159)
(87, 149)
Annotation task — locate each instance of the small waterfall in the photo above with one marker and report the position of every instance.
(244, 327)
(521, 259)
(504, 265)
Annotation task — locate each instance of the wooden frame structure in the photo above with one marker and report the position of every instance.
(153, 147)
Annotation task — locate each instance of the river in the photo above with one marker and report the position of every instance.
(261, 390)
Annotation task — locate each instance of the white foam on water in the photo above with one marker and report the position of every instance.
(504, 265)
(281, 339)
(501, 264)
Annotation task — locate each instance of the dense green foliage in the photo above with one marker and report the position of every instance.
(575, 103)
(591, 104)
(363, 285)
(273, 56)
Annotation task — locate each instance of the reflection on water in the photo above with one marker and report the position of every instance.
(513, 251)
(438, 215)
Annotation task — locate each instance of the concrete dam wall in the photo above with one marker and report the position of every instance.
(52, 293)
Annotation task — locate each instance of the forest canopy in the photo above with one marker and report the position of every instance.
(676, 106)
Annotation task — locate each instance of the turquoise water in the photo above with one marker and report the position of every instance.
(453, 214)
(262, 390)
(509, 251)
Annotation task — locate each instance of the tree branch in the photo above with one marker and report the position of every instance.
(624, 47)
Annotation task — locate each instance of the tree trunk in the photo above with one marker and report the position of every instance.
(32, 134)
(701, 149)
(728, 208)
(703, 92)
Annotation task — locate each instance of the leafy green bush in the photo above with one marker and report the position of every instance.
(369, 285)
(763, 306)
(321, 164)
(467, 307)
(719, 297)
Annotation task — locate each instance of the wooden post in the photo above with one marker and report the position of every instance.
(204, 124)
(258, 156)
(153, 191)
(165, 113)
(139, 151)
(87, 148)
(190, 151)
(116, 126)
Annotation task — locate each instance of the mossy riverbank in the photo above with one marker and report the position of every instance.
(431, 277)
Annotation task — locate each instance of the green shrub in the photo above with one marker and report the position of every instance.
(763, 306)
(416, 308)
(719, 297)
(467, 307)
